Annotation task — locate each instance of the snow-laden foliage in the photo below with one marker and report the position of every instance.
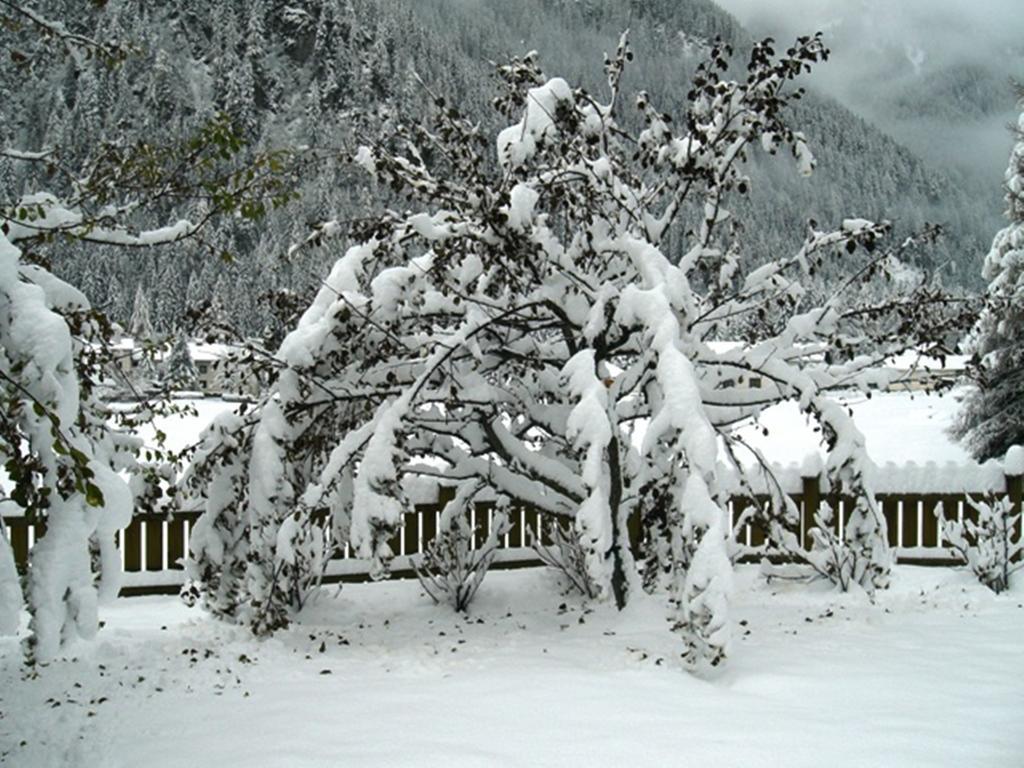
(991, 546)
(993, 415)
(311, 72)
(69, 462)
(140, 326)
(452, 569)
(218, 542)
(522, 327)
(991, 541)
(856, 554)
(60, 459)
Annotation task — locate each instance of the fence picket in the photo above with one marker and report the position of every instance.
(175, 542)
(19, 539)
(154, 544)
(890, 506)
(929, 522)
(131, 545)
(811, 499)
(909, 525)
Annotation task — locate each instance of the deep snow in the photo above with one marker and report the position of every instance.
(932, 675)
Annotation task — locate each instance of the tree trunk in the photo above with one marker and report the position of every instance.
(620, 536)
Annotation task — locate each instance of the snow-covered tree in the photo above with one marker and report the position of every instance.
(66, 455)
(179, 370)
(140, 326)
(522, 330)
(61, 461)
(144, 374)
(992, 419)
(219, 539)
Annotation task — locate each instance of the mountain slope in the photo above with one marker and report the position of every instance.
(324, 72)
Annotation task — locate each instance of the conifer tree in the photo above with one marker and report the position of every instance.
(140, 327)
(179, 370)
(992, 419)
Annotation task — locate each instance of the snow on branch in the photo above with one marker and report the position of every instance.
(526, 327)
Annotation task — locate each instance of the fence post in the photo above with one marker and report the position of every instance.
(1013, 470)
(515, 531)
(131, 545)
(175, 541)
(812, 501)
(19, 539)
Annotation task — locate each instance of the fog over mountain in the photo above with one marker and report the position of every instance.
(934, 74)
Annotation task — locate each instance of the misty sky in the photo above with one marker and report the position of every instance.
(920, 69)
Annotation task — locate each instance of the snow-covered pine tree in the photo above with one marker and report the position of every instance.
(179, 370)
(144, 374)
(522, 327)
(140, 326)
(992, 419)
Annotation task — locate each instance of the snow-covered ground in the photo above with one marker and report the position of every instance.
(932, 675)
(898, 426)
(183, 431)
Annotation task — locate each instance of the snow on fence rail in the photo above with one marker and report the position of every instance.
(153, 545)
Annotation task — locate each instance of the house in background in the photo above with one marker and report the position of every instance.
(908, 372)
(916, 372)
(221, 369)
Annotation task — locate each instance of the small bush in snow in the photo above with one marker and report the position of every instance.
(451, 570)
(990, 547)
(850, 558)
(858, 555)
(566, 554)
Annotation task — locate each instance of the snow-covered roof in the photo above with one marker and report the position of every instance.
(911, 360)
(200, 351)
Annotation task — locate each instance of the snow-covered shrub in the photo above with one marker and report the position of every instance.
(542, 325)
(451, 569)
(853, 557)
(218, 542)
(68, 458)
(992, 546)
(60, 458)
(857, 555)
(565, 554)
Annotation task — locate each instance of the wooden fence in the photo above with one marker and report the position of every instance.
(153, 545)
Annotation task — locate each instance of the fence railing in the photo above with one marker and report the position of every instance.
(153, 545)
